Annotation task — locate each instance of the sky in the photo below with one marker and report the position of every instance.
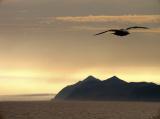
(48, 44)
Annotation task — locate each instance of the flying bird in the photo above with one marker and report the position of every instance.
(121, 32)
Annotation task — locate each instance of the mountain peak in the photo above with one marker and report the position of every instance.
(90, 78)
(115, 77)
(115, 80)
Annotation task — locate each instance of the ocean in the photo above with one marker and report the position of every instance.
(32, 97)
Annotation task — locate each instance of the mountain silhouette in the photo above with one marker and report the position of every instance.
(112, 88)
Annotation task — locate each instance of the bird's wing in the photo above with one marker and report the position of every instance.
(105, 31)
(135, 27)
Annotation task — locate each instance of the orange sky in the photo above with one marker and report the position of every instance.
(48, 44)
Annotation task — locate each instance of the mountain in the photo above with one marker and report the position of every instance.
(113, 88)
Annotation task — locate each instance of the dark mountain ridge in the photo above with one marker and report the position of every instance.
(113, 88)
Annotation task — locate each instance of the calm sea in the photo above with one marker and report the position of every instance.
(34, 97)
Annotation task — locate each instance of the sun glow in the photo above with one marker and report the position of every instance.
(142, 74)
(24, 73)
(27, 81)
(40, 81)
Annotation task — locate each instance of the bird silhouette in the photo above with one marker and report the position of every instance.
(121, 32)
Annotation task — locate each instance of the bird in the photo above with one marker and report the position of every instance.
(121, 32)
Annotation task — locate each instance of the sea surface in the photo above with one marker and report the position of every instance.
(79, 110)
(32, 97)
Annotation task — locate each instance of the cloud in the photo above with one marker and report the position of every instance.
(103, 18)
(93, 28)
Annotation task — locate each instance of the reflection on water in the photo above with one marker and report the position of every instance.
(34, 97)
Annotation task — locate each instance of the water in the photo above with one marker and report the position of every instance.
(35, 97)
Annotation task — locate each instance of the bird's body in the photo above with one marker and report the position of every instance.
(121, 32)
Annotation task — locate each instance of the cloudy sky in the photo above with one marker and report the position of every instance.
(48, 44)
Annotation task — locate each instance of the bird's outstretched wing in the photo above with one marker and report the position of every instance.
(135, 27)
(105, 32)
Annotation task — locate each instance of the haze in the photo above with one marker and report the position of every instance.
(48, 44)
